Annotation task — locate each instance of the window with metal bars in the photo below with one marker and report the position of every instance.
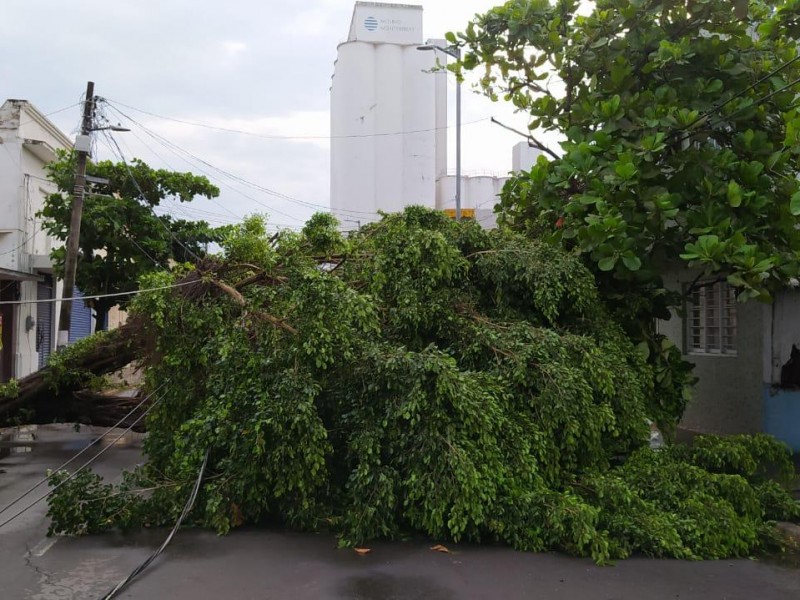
(711, 320)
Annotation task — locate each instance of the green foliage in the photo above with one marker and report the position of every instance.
(421, 375)
(675, 146)
(9, 389)
(121, 237)
(62, 372)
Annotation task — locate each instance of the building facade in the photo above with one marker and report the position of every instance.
(383, 114)
(389, 123)
(29, 141)
(739, 351)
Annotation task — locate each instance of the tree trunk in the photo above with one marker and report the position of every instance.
(47, 395)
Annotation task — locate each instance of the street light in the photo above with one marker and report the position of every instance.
(455, 52)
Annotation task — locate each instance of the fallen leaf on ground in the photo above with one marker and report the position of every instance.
(440, 548)
(362, 551)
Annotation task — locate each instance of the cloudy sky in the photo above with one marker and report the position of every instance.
(257, 66)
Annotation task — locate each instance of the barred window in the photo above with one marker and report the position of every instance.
(711, 320)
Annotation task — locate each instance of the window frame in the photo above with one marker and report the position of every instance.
(711, 322)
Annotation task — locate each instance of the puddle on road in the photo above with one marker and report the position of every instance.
(380, 586)
(24, 438)
(17, 440)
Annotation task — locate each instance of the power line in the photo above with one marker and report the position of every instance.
(98, 296)
(242, 180)
(290, 137)
(86, 449)
(755, 103)
(24, 242)
(144, 199)
(718, 107)
(86, 464)
(55, 112)
(151, 149)
(187, 508)
(177, 149)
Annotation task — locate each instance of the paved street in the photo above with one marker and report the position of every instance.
(265, 564)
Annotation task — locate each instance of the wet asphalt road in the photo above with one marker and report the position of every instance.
(266, 564)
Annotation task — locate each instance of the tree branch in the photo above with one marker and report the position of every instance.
(532, 141)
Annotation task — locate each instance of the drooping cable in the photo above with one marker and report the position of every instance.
(98, 296)
(186, 510)
(239, 179)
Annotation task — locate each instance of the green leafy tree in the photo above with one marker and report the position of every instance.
(420, 375)
(680, 130)
(121, 236)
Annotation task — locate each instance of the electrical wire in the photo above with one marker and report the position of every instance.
(24, 242)
(290, 137)
(86, 464)
(151, 149)
(187, 508)
(98, 296)
(86, 449)
(55, 112)
(722, 118)
(182, 151)
(242, 180)
(738, 95)
(144, 199)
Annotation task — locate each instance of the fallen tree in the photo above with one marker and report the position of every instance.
(66, 391)
(421, 375)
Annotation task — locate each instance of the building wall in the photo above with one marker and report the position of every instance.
(478, 192)
(383, 115)
(728, 396)
(781, 407)
(523, 157)
(29, 142)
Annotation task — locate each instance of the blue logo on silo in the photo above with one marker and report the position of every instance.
(371, 23)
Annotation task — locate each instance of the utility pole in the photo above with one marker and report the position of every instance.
(82, 146)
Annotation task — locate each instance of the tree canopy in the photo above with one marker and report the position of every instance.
(121, 237)
(422, 375)
(679, 124)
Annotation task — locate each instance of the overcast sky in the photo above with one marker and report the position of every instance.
(261, 66)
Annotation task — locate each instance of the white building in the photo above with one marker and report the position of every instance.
(383, 115)
(389, 123)
(29, 141)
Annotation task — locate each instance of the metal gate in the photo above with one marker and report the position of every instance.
(80, 325)
(44, 320)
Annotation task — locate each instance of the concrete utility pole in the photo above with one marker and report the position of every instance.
(82, 146)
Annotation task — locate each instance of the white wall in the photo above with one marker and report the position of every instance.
(28, 141)
(524, 157)
(783, 331)
(383, 116)
(477, 192)
(728, 395)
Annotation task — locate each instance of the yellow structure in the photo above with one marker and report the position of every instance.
(466, 213)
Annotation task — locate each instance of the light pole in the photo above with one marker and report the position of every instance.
(455, 52)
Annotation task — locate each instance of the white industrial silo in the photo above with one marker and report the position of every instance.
(384, 118)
